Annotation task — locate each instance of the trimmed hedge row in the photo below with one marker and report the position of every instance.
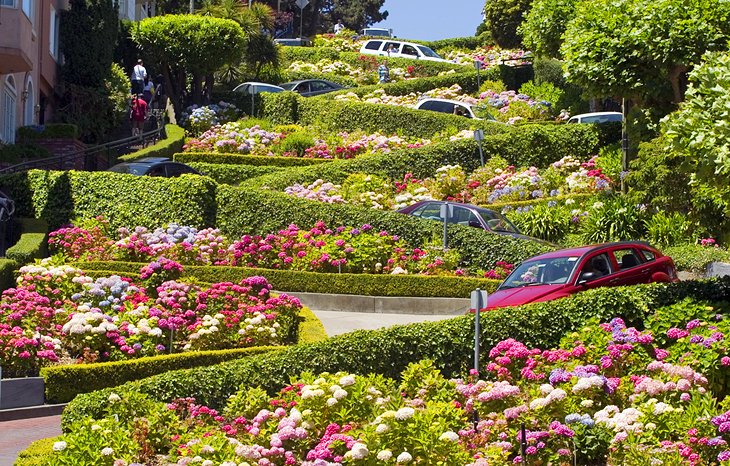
(314, 282)
(232, 174)
(32, 243)
(389, 351)
(7, 270)
(467, 81)
(243, 211)
(164, 148)
(238, 159)
(50, 131)
(38, 453)
(126, 200)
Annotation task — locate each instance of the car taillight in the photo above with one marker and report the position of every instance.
(672, 272)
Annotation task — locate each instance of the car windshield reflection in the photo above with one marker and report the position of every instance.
(497, 222)
(554, 271)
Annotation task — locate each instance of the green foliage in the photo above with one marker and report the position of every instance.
(88, 22)
(664, 229)
(315, 54)
(244, 211)
(316, 282)
(640, 49)
(17, 153)
(38, 453)
(696, 258)
(543, 91)
(167, 147)
(253, 160)
(49, 131)
(7, 269)
(281, 108)
(389, 351)
(549, 70)
(615, 219)
(609, 160)
(470, 42)
(544, 25)
(544, 222)
(32, 243)
(232, 174)
(502, 19)
(58, 197)
(297, 142)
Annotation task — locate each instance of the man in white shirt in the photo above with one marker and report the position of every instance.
(138, 75)
(339, 26)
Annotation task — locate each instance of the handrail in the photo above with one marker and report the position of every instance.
(62, 162)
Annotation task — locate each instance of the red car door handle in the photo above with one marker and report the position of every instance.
(615, 280)
(644, 270)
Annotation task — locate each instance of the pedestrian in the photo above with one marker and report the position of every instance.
(138, 114)
(383, 73)
(160, 99)
(138, 74)
(339, 26)
(148, 90)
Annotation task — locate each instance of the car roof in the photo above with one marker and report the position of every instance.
(436, 99)
(460, 204)
(258, 84)
(583, 250)
(306, 81)
(583, 115)
(151, 160)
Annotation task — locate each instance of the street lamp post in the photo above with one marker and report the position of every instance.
(478, 66)
(479, 137)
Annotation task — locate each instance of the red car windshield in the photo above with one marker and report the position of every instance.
(555, 271)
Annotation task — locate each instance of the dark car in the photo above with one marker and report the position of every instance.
(154, 166)
(466, 214)
(310, 87)
(563, 273)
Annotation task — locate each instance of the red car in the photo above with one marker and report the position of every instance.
(562, 273)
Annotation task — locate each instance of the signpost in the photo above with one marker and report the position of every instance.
(479, 137)
(478, 66)
(301, 4)
(447, 211)
(478, 302)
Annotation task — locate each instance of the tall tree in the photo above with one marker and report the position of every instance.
(642, 49)
(502, 19)
(543, 28)
(188, 48)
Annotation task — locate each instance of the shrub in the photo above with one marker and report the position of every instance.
(167, 147)
(7, 268)
(297, 142)
(32, 242)
(467, 81)
(616, 219)
(238, 159)
(544, 222)
(38, 453)
(17, 153)
(696, 258)
(232, 173)
(389, 351)
(664, 229)
(49, 131)
(314, 282)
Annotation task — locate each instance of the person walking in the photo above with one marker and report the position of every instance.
(160, 99)
(148, 90)
(138, 114)
(383, 73)
(339, 26)
(138, 74)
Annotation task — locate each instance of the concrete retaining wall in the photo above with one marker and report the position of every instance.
(383, 305)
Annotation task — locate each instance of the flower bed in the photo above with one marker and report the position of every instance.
(609, 393)
(241, 138)
(57, 313)
(196, 119)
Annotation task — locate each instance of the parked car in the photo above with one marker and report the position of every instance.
(566, 272)
(154, 166)
(454, 107)
(468, 215)
(256, 88)
(400, 49)
(310, 87)
(377, 32)
(296, 42)
(597, 117)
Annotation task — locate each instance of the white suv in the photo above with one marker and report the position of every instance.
(399, 49)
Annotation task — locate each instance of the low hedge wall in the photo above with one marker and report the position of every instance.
(7, 270)
(389, 351)
(164, 148)
(232, 174)
(49, 131)
(238, 159)
(38, 453)
(32, 243)
(126, 200)
(467, 81)
(246, 211)
(314, 282)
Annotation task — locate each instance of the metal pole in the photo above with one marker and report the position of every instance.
(477, 331)
(446, 233)
(523, 443)
(301, 18)
(481, 153)
(624, 145)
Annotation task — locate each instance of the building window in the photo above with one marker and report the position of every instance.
(53, 34)
(29, 10)
(8, 3)
(29, 104)
(8, 105)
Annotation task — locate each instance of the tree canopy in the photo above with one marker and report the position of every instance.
(502, 19)
(321, 15)
(544, 25)
(641, 48)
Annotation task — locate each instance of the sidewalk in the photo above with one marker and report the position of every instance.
(15, 436)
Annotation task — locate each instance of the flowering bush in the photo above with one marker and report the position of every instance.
(197, 120)
(111, 318)
(606, 395)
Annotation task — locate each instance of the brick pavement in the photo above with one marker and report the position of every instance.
(15, 436)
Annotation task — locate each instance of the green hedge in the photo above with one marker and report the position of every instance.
(7, 270)
(126, 200)
(172, 144)
(32, 243)
(244, 211)
(38, 453)
(314, 282)
(467, 81)
(50, 131)
(237, 159)
(232, 174)
(389, 351)
(695, 257)
(17, 153)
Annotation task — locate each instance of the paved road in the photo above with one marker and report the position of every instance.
(15, 436)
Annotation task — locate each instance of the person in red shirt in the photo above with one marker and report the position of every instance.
(138, 114)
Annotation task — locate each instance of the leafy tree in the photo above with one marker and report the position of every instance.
(321, 15)
(642, 49)
(88, 33)
(544, 25)
(189, 47)
(502, 19)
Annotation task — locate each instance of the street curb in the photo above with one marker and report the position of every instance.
(383, 304)
(31, 412)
